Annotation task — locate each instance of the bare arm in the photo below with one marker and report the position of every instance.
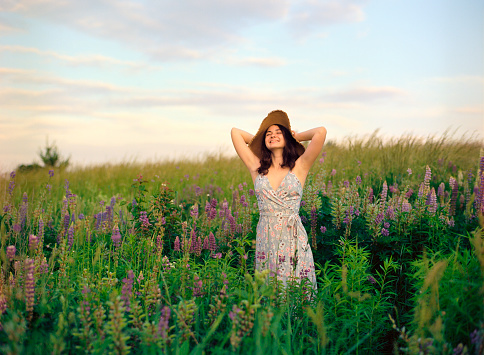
(317, 136)
(240, 139)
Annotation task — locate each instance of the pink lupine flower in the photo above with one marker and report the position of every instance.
(127, 289)
(176, 246)
(29, 285)
(211, 242)
(11, 252)
(116, 237)
(33, 242)
(163, 324)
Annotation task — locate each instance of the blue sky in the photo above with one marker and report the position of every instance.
(110, 80)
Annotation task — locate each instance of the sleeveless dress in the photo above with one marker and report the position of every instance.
(282, 242)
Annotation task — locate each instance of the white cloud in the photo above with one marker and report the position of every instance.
(367, 94)
(190, 29)
(87, 59)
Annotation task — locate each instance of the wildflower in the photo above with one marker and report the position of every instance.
(409, 193)
(385, 232)
(346, 183)
(358, 180)
(176, 246)
(371, 279)
(370, 195)
(145, 222)
(51, 173)
(11, 252)
(33, 242)
(70, 237)
(409, 171)
(127, 289)
(386, 225)
(194, 211)
(432, 202)
(29, 285)
(333, 172)
(163, 324)
(211, 242)
(116, 237)
(323, 229)
(205, 245)
(441, 189)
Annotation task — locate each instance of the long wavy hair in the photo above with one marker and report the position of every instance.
(289, 154)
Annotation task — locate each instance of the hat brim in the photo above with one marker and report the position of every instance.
(274, 117)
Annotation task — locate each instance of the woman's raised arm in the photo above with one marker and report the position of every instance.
(240, 139)
(317, 136)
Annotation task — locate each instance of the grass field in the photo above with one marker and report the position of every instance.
(159, 257)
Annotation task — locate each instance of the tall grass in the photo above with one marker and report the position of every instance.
(159, 257)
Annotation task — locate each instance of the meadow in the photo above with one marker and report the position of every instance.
(150, 258)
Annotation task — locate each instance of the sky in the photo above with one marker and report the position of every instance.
(109, 81)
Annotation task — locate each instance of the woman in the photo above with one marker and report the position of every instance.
(279, 165)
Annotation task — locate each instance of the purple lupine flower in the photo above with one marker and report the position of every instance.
(476, 336)
(11, 186)
(163, 323)
(198, 249)
(385, 232)
(333, 172)
(370, 195)
(384, 192)
(428, 175)
(23, 210)
(33, 242)
(193, 241)
(17, 227)
(409, 171)
(213, 203)
(323, 229)
(41, 230)
(211, 242)
(379, 218)
(145, 222)
(409, 193)
(29, 285)
(81, 216)
(390, 213)
(194, 211)
(406, 207)
(70, 237)
(346, 183)
(205, 245)
(386, 225)
(116, 237)
(176, 246)
(432, 202)
(358, 180)
(51, 172)
(233, 224)
(127, 289)
(441, 189)
(11, 252)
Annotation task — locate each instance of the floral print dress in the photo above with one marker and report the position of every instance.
(282, 242)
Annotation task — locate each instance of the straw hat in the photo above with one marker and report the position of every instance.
(274, 117)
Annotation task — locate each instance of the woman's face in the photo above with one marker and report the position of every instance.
(274, 138)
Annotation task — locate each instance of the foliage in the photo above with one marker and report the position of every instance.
(106, 259)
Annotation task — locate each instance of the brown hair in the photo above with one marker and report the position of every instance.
(289, 154)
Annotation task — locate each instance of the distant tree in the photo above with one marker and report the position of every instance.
(51, 157)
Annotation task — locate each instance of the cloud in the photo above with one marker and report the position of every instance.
(191, 29)
(88, 59)
(266, 62)
(366, 94)
(309, 15)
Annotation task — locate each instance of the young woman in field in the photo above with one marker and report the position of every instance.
(279, 165)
